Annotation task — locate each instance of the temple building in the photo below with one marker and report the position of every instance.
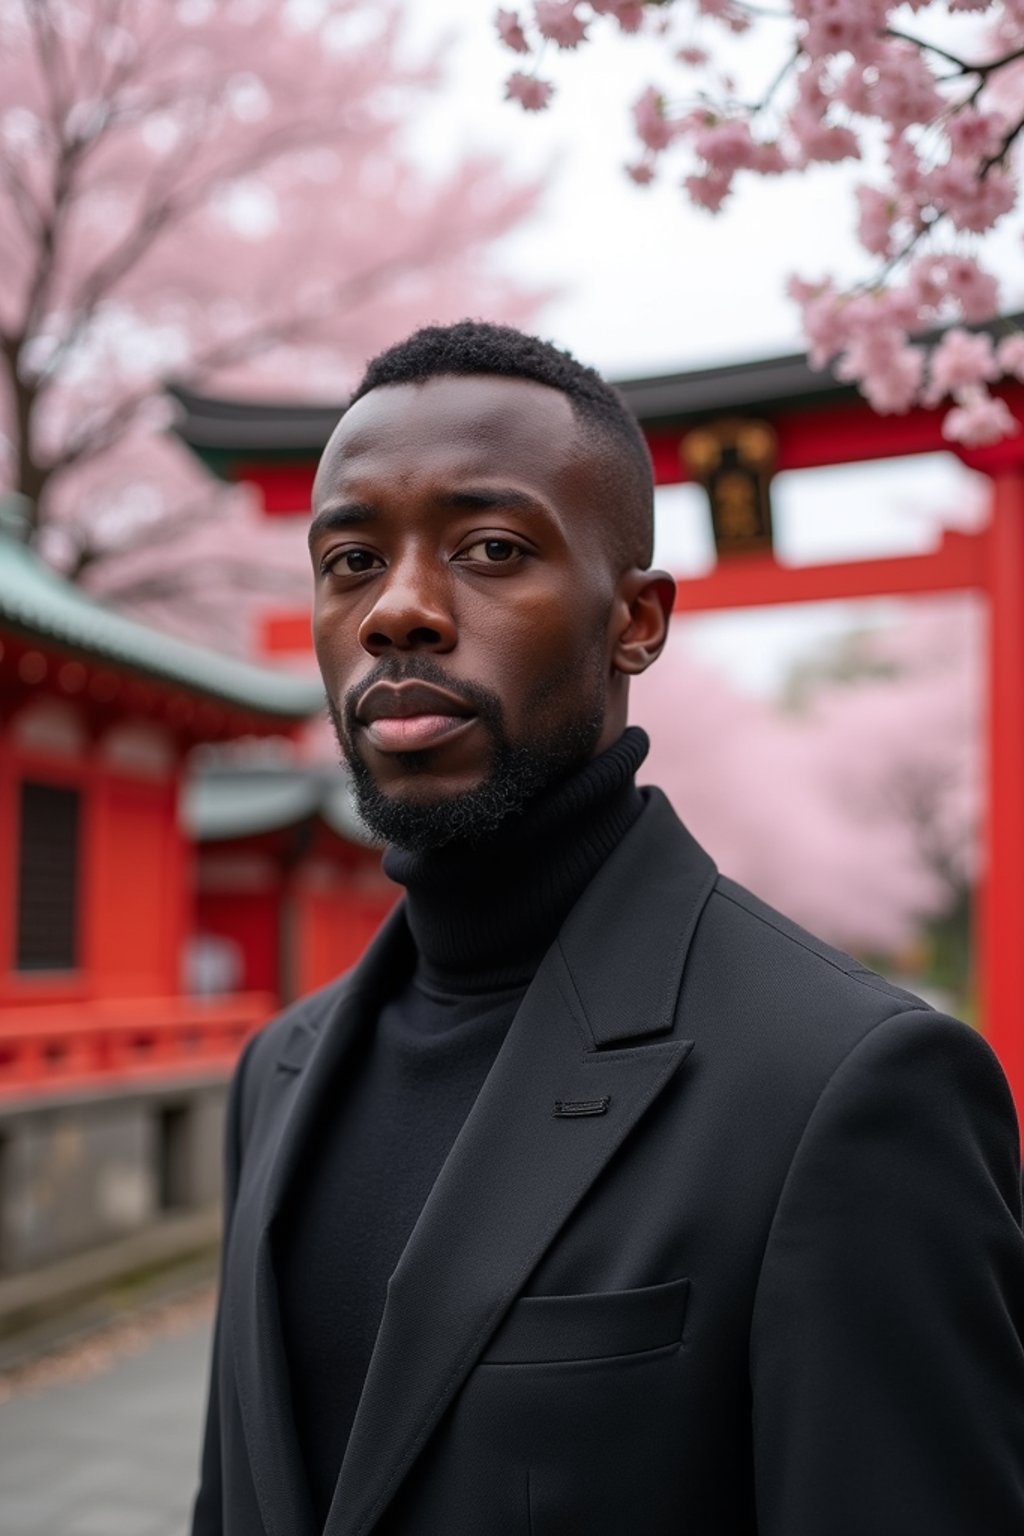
(288, 890)
(97, 716)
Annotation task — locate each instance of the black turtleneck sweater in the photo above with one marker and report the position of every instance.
(482, 917)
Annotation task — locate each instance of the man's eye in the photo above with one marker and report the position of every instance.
(351, 562)
(493, 551)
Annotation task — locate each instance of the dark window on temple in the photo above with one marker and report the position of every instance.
(173, 1128)
(48, 878)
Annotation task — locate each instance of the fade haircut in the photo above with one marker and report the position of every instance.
(477, 347)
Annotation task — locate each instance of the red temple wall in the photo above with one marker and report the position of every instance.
(132, 899)
(249, 920)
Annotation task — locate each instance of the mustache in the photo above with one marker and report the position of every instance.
(422, 669)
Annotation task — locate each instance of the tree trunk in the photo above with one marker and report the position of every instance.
(30, 477)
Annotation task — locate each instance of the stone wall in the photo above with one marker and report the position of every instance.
(84, 1169)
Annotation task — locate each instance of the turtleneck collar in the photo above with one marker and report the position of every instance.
(483, 914)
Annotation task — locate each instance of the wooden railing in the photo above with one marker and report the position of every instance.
(108, 1043)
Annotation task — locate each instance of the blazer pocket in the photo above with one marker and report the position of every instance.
(542, 1329)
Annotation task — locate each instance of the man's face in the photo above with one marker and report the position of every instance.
(464, 600)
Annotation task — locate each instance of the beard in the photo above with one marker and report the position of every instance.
(517, 771)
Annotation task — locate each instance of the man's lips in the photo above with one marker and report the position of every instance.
(411, 716)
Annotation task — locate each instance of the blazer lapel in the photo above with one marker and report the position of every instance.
(520, 1165)
(306, 1070)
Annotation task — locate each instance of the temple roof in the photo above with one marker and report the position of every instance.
(221, 430)
(223, 802)
(38, 603)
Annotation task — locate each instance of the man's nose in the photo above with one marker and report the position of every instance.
(412, 611)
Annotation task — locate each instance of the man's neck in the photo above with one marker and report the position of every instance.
(483, 914)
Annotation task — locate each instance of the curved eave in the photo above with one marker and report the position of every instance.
(210, 424)
(223, 431)
(778, 382)
(764, 384)
(39, 604)
(227, 806)
(222, 805)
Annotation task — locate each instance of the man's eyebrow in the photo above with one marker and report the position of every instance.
(484, 497)
(348, 514)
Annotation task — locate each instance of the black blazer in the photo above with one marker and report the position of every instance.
(729, 1243)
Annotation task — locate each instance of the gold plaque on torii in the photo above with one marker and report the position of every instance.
(734, 460)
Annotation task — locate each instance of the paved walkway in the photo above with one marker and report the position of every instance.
(114, 1454)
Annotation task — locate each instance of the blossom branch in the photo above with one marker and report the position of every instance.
(948, 173)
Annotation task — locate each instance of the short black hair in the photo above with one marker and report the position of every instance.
(479, 347)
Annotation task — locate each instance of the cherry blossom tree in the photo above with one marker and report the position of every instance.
(899, 747)
(928, 96)
(222, 192)
(859, 814)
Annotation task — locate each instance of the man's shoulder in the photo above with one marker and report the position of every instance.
(769, 1002)
(738, 933)
(775, 997)
(797, 956)
(289, 1033)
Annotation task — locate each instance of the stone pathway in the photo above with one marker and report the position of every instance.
(114, 1452)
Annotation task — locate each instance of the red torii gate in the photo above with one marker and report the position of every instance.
(817, 421)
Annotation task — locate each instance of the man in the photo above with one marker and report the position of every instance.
(599, 1199)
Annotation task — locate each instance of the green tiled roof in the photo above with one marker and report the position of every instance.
(237, 801)
(39, 603)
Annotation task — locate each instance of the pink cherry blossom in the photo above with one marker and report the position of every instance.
(892, 381)
(960, 359)
(935, 278)
(768, 159)
(532, 94)
(726, 146)
(879, 359)
(650, 121)
(975, 290)
(941, 135)
(853, 89)
(908, 173)
(903, 91)
(980, 419)
(558, 22)
(821, 141)
(874, 226)
(1010, 354)
(815, 137)
(978, 134)
(973, 202)
(932, 280)
(510, 30)
(709, 191)
(802, 289)
(840, 26)
(630, 15)
(926, 282)
(825, 320)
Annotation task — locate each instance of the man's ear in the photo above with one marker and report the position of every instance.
(642, 612)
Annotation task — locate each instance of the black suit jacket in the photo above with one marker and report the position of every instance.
(730, 1242)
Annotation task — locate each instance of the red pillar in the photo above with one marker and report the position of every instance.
(1002, 933)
